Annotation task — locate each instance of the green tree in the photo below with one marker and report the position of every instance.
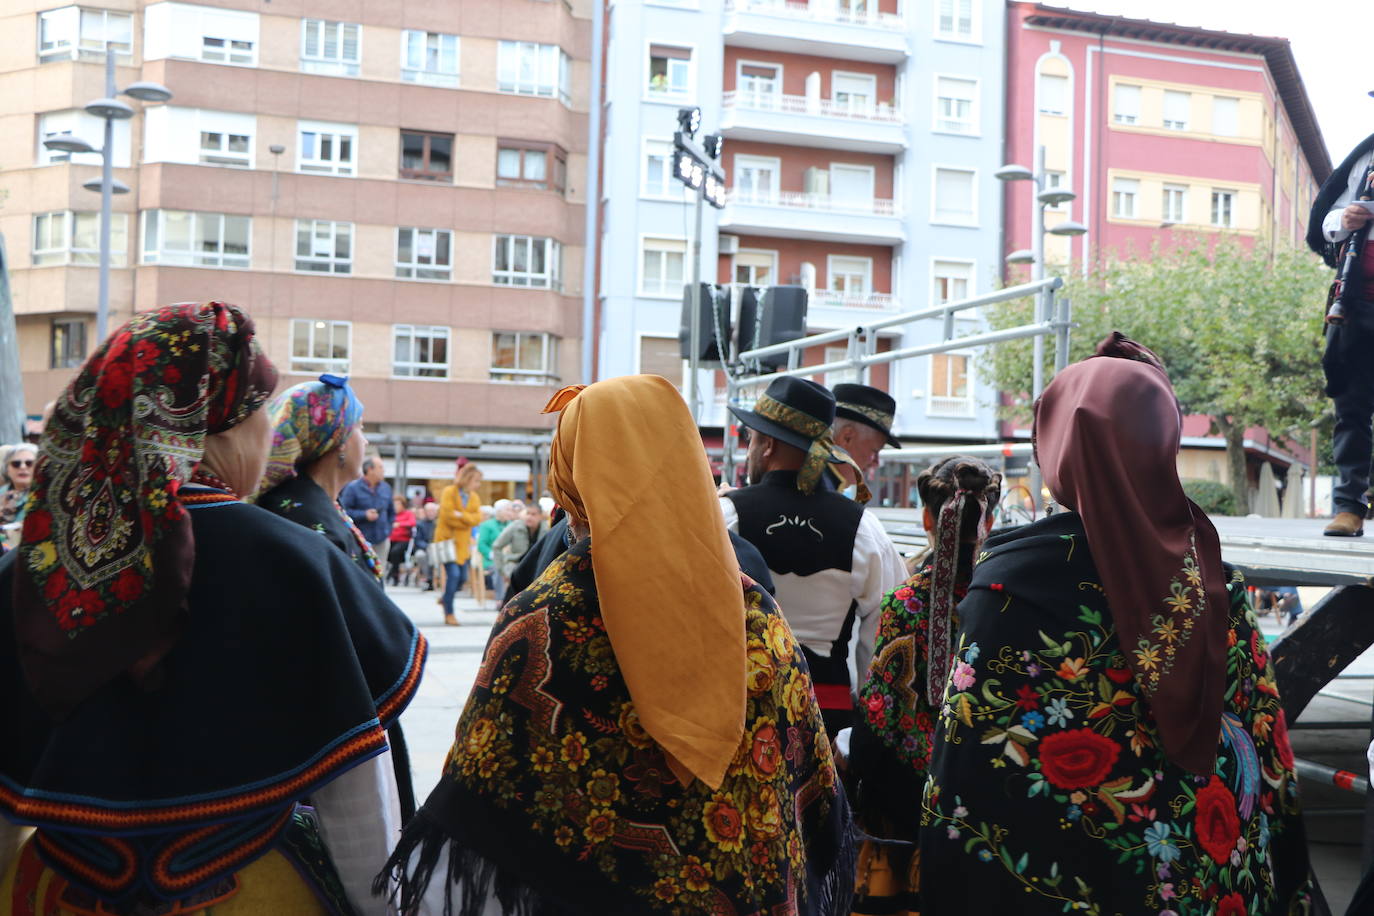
(1238, 328)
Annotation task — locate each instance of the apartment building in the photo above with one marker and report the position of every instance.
(394, 191)
(860, 138)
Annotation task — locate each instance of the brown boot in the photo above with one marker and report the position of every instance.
(1345, 525)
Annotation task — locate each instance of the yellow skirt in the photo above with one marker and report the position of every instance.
(267, 885)
(887, 882)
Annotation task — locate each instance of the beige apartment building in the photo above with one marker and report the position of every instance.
(393, 190)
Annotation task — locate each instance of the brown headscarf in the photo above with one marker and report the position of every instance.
(1107, 434)
(627, 460)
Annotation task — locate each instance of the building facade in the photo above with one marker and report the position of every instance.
(393, 191)
(860, 138)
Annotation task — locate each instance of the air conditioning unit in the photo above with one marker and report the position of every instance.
(729, 244)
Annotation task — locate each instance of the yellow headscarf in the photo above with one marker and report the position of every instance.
(627, 460)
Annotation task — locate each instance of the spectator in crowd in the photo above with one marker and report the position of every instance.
(477, 578)
(367, 501)
(460, 510)
(512, 544)
(19, 465)
(420, 546)
(493, 523)
(402, 531)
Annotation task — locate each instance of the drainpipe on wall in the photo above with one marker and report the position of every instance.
(592, 245)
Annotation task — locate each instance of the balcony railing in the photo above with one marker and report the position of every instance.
(800, 200)
(822, 11)
(801, 105)
(827, 298)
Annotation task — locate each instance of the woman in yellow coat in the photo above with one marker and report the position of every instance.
(460, 510)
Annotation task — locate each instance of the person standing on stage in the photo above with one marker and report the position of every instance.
(863, 425)
(1350, 375)
(831, 560)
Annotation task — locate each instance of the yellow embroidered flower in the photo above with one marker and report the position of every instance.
(564, 835)
(1167, 630)
(43, 556)
(764, 813)
(759, 668)
(797, 695)
(724, 826)
(1147, 656)
(603, 788)
(574, 751)
(479, 737)
(542, 759)
(667, 889)
(632, 728)
(695, 875)
(1179, 603)
(600, 825)
(778, 636)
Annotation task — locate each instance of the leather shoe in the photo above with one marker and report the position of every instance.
(1345, 525)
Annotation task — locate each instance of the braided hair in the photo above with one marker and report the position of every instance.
(944, 478)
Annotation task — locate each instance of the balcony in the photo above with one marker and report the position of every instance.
(799, 120)
(799, 215)
(849, 29)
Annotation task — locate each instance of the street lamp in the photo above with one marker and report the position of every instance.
(109, 109)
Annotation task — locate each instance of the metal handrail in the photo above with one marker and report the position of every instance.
(802, 200)
(804, 105)
(817, 12)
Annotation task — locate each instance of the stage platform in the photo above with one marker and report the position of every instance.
(1270, 551)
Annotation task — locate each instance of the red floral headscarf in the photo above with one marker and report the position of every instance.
(107, 550)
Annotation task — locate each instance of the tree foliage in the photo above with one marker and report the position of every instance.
(1239, 329)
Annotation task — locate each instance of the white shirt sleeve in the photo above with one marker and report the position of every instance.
(360, 822)
(1331, 224)
(878, 569)
(727, 509)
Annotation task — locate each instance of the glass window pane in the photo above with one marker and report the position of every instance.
(412, 151)
(308, 145)
(538, 248)
(86, 231)
(438, 347)
(503, 351)
(236, 234)
(340, 340)
(343, 241)
(502, 253)
(405, 253)
(440, 154)
(531, 355)
(300, 338)
(176, 230)
(508, 163)
(535, 165)
(441, 244)
(520, 262)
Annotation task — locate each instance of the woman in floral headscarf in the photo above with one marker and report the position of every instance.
(178, 670)
(1111, 738)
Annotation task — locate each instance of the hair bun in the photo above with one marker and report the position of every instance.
(1120, 346)
(973, 477)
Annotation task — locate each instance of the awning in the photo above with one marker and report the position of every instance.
(443, 469)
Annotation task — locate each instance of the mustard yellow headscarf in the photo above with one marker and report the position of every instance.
(627, 460)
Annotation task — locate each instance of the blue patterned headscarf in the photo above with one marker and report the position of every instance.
(309, 421)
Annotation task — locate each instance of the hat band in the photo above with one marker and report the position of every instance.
(796, 420)
(822, 451)
(877, 416)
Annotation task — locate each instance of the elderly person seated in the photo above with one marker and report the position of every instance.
(182, 670)
(19, 461)
(642, 736)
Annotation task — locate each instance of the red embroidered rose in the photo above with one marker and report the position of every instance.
(1232, 904)
(765, 752)
(90, 602)
(128, 586)
(37, 525)
(145, 355)
(1218, 826)
(171, 375)
(1282, 747)
(56, 584)
(115, 384)
(1077, 759)
(1029, 699)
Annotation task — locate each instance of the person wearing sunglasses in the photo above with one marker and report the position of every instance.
(18, 475)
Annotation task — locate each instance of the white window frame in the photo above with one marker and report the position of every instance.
(423, 74)
(422, 369)
(309, 363)
(937, 273)
(668, 94)
(550, 278)
(751, 98)
(316, 165)
(744, 162)
(1119, 116)
(229, 51)
(832, 269)
(1235, 125)
(1042, 102)
(850, 108)
(1229, 196)
(340, 64)
(673, 189)
(1169, 195)
(548, 352)
(834, 353)
(332, 263)
(222, 155)
(975, 33)
(1125, 197)
(945, 405)
(666, 245)
(74, 45)
(1174, 123)
(941, 124)
(757, 254)
(66, 252)
(418, 268)
(87, 127)
(196, 254)
(510, 79)
(935, 217)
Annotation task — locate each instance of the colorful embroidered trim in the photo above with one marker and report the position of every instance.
(877, 416)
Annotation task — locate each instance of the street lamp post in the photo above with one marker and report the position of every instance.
(1043, 196)
(110, 109)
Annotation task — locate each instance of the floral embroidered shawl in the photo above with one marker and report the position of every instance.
(554, 798)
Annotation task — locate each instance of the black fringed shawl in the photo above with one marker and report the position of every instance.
(554, 800)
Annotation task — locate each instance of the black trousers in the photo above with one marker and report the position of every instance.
(1353, 442)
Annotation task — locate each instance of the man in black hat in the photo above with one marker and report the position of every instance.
(863, 425)
(831, 560)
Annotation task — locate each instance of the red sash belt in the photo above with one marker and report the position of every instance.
(833, 696)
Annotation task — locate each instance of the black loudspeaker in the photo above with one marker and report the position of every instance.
(780, 317)
(714, 324)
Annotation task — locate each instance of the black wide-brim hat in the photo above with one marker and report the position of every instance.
(869, 406)
(800, 412)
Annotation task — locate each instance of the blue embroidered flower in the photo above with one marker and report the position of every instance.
(971, 653)
(1161, 844)
(1075, 812)
(985, 855)
(1059, 712)
(1033, 720)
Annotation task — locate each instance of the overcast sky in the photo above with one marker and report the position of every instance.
(1337, 90)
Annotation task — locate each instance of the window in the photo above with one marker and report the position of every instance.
(424, 254)
(756, 179)
(330, 48)
(1124, 194)
(1176, 107)
(64, 237)
(1126, 103)
(320, 346)
(1054, 94)
(951, 281)
(185, 239)
(429, 57)
(756, 268)
(419, 351)
(68, 343)
(954, 105)
(198, 32)
(226, 50)
(853, 93)
(324, 246)
(427, 157)
(1225, 116)
(836, 354)
(949, 389)
(661, 267)
(72, 33)
(519, 260)
(955, 18)
(662, 356)
(670, 71)
(1054, 180)
(759, 85)
(89, 128)
(850, 278)
(520, 164)
(522, 356)
(526, 68)
(657, 180)
(953, 196)
(326, 149)
(1174, 203)
(1223, 208)
(851, 186)
(217, 148)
